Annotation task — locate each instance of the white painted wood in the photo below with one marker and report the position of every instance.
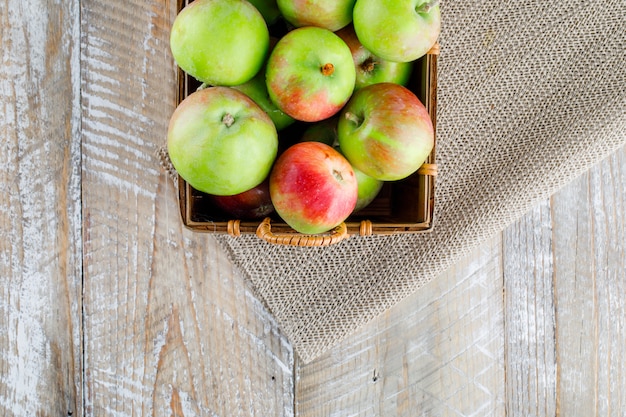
(170, 328)
(40, 210)
(565, 286)
(109, 307)
(530, 315)
(440, 352)
(590, 257)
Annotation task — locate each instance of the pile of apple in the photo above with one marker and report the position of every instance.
(337, 68)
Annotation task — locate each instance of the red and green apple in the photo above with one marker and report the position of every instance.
(221, 142)
(313, 187)
(385, 131)
(310, 74)
(332, 15)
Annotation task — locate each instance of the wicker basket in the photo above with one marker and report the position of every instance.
(404, 206)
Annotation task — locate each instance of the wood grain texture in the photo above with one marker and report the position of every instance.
(589, 223)
(170, 328)
(440, 352)
(565, 282)
(109, 307)
(40, 214)
(530, 315)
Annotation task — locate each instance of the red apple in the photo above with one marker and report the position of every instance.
(371, 69)
(310, 74)
(313, 187)
(221, 142)
(252, 204)
(385, 131)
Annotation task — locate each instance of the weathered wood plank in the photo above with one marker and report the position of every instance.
(565, 286)
(590, 285)
(530, 315)
(440, 352)
(40, 209)
(170, 328)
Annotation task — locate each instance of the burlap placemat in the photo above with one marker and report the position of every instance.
(531, 94)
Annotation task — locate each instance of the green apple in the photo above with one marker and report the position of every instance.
(371, 69)
(256, 89)
(220, 42)
(397, 30)
(368, 188)
(269, 10)
(385, 131)
(310, 74)
(324, 131)
(332, 15)
(221, 142)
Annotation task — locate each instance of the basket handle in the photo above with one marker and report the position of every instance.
(264, 231)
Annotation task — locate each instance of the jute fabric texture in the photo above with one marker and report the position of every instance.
(531, 94)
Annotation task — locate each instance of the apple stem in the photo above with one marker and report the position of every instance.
(228, 119)
(328, 69)
(426, 7)
(353, 118)
(368, 65)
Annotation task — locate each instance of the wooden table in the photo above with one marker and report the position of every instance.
(109, 307)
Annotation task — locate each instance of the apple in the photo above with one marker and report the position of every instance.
(310, 74)
(256, 89)
(371, 69)
(252, 204)
(385, 131)
(313, 187)
(324, 131)
(221, 142)
(269, 10)
(332, 15)
(368, 187)
(220, 42)
(397, 30)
